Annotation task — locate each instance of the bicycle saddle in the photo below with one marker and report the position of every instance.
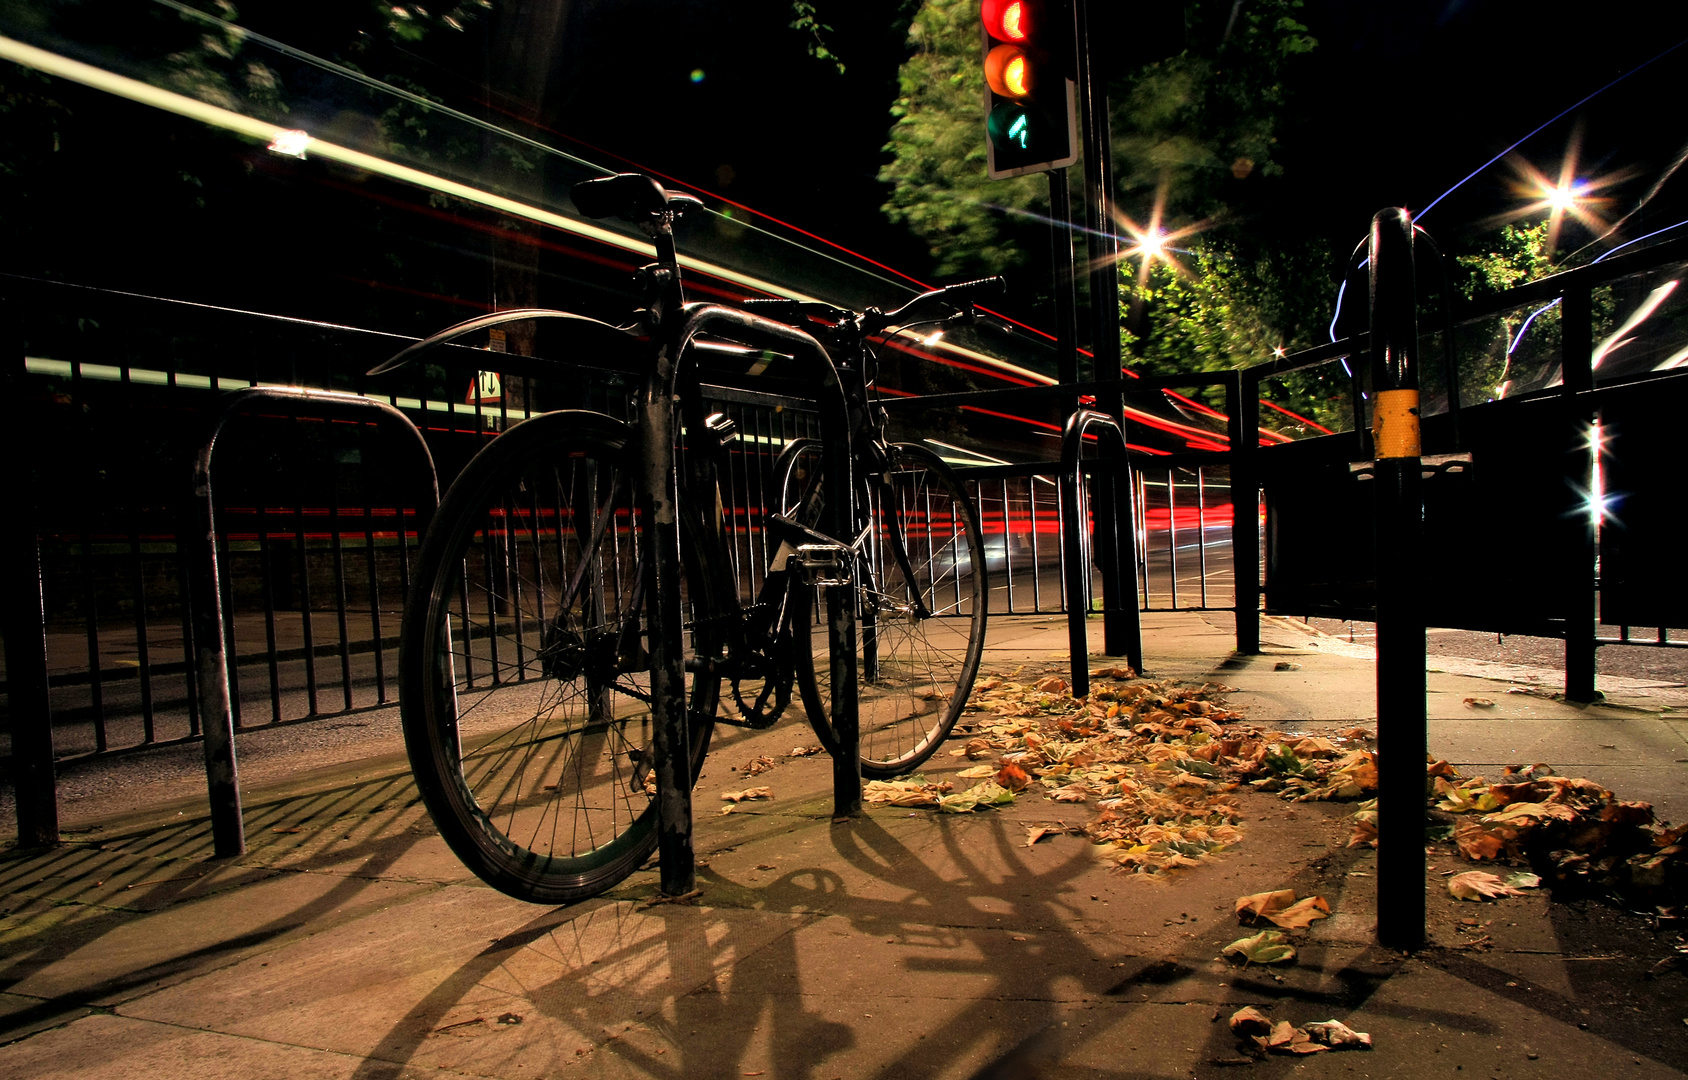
(627, 195)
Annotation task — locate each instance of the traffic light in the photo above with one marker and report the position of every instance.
(1031, 122)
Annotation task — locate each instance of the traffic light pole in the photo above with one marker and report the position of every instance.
(1103, 244)
(1061, 273)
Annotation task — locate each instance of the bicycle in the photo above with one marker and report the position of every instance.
(572, 622)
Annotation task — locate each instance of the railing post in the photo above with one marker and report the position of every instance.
(1402, 733)
(33, 778)
(1242, 424)
(1580, 580)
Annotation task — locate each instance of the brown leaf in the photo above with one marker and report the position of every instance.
(1033, 835)
(1249, 1020)
(1283, 1033)
(1261, 905)
(1479, 885)
(1479, 703)
(1123, 672)
(1298, 915)
(1476, 842)
(1052, 684)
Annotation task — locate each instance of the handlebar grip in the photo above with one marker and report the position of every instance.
(982, 287)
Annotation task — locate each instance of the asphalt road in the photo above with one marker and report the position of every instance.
(1629, 661)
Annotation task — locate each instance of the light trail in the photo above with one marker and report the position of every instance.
(1549, 123)
(215, 116)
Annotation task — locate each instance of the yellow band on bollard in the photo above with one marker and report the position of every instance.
(1395, 424)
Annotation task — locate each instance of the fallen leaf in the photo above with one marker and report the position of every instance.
(1259, 905)
(1052, 684)
(977, 772)
(1249, 1020)
(1479, 703)
(1479, 885)
(1298, 915)
(1285, 665)
(1476, 842)
(1038, 833)
(802, 751)
(1266, 947)
(1113, 673)
(1337, 1035)
(1012, 777)
(747, 793)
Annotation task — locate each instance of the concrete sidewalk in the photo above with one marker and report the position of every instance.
(350, 943)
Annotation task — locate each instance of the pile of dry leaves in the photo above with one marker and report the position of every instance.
(1571, 831)
(1159, 760)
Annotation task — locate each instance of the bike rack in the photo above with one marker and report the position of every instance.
(205, 597)
(670, 737)
(25, 627)
(1115, 546)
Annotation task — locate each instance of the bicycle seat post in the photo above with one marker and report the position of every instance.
(658, 503)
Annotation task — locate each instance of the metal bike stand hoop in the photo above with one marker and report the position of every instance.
(205, 598)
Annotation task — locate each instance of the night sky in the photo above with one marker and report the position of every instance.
(1399, 103)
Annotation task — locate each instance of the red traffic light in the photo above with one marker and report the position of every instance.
(1009, 20)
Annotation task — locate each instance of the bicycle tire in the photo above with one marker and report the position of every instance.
(527, 719)
(913, 673)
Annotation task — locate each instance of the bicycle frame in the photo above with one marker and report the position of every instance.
(660, 346)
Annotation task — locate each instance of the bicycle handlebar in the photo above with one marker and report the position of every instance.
(960, 295)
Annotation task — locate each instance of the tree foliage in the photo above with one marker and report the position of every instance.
(1194, 128)
(939, 188)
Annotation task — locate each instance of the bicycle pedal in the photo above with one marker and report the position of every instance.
(823, 564)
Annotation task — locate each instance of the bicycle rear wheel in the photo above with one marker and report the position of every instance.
(525, 662)
(915, 667)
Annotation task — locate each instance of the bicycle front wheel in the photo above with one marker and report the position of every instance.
(916, 659)
(525, 660)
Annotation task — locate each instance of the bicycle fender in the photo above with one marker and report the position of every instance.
(620, 342)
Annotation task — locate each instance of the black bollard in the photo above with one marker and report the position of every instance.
(1402, 731)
